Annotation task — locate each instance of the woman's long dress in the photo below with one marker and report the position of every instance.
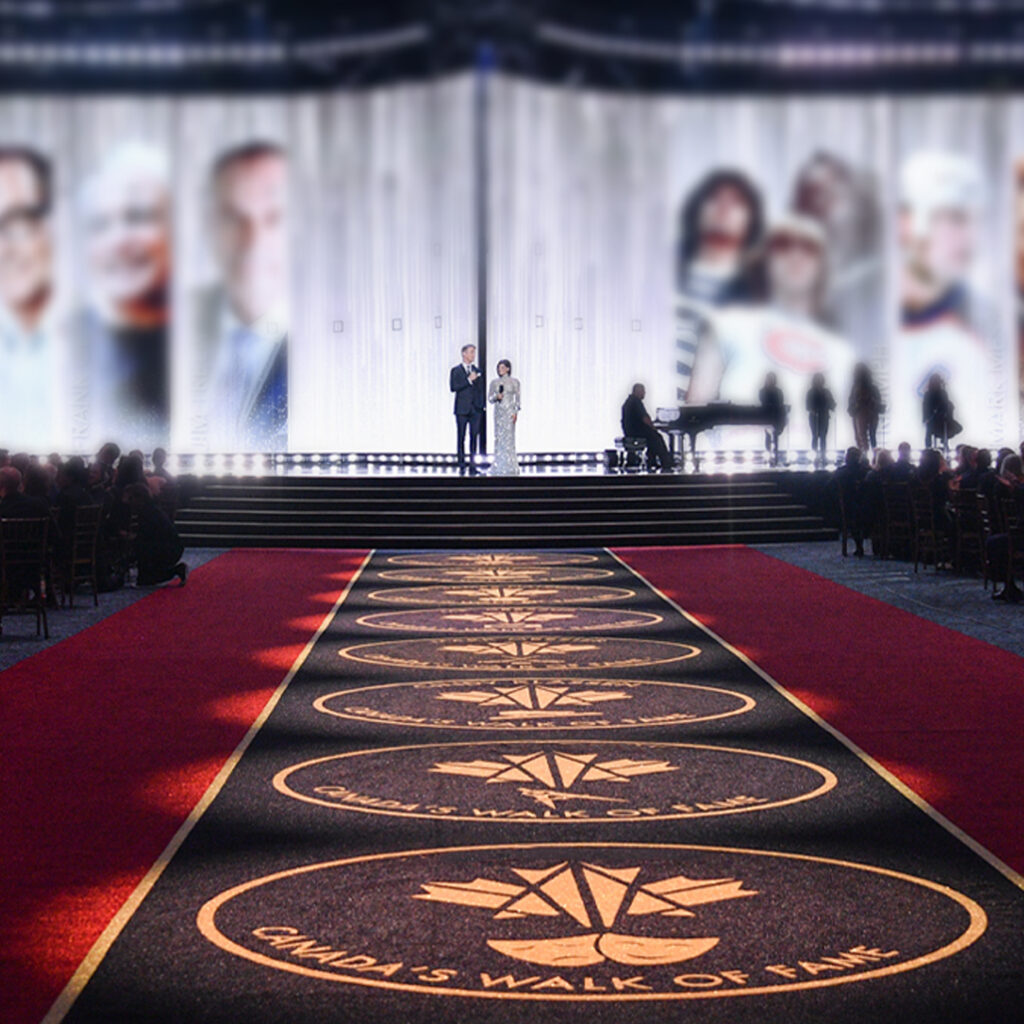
(505, 463)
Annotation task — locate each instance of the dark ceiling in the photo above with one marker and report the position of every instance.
(702, 45)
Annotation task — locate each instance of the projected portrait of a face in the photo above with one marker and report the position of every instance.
(242, 319)
(722, 223)
(947, 325)
(720, 227)
(843, 199)
(26, 291)
(126, 240)
(940, 203)
(784, 335)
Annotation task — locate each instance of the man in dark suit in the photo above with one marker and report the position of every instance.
(636, 423)
(467, 383)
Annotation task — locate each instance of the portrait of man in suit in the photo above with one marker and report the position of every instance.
(240, 383)
(468, 384)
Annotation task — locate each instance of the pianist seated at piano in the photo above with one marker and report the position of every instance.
(786, 336)
(637, 423)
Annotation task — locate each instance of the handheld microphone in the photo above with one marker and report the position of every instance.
(501, 389)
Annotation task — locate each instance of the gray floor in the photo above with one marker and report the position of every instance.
(19, 639)
(958, 602)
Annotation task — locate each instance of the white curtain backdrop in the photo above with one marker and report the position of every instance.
(384, 284)
(585, 197)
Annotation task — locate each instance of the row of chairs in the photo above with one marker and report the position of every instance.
(32, 571)
(906, 526)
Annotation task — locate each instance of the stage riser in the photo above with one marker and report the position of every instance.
(459, 513)
(496, 540)
(314, 506)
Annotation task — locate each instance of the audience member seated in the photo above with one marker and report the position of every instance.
(1011, 484)
(966, 476)
(104, 468)
(36, 484)
(1001, 456)
(158, 548)
(72, 493)
(934, 476)
(848, 479)
(986, 475)
(160, 465)
(871, 497)
(14, 503)
(903, 470)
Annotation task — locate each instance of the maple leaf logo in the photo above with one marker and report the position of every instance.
(501, 595)
(598, 899)
(557, 772)
(536, 700)
(511, 648)
(504, 619)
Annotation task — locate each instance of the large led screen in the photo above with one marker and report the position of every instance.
(698, 244)
(236, 274)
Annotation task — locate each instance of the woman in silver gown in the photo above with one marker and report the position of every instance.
(504, 396)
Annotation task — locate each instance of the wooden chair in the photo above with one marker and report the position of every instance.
(988, 521)
(1013, 526)
(970, 531)
(897, 526)
(930, 541)
(22, 565)
(79, 566)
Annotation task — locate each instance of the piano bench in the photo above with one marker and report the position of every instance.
(633, 458)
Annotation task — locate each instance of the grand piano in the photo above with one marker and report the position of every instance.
(692, 419)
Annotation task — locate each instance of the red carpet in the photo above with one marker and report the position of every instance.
(111, 737)
(941, 711)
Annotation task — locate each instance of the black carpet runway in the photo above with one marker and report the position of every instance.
(523, 788)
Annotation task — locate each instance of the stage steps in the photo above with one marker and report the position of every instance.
(449, 512)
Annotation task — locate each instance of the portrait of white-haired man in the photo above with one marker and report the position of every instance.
(721, 225)
(240, 361)
(26, 298)
(123, 339)
(946, 326)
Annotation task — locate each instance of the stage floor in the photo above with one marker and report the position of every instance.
(439, 464)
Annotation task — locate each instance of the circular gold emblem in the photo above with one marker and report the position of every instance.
(528, 705)
(503, 595)
(519, 653)
(512, 619)
(494, 559)
(593, 922)
(577, 782)
(497, 575)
